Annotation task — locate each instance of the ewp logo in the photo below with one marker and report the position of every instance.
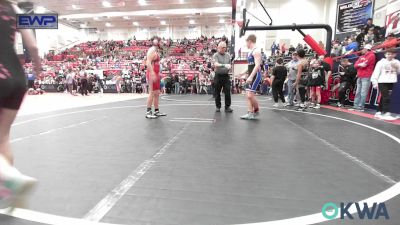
(330, 211)
(37, 21)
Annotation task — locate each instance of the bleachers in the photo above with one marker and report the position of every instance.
(129, 55)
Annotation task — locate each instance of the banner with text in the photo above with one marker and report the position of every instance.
(350, 15)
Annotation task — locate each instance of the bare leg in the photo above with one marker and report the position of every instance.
(150, 100)
(318, 94)
(7, 117)
(156, 98)
(250, 101)
(253, 101)
(10, 174)
(312, 94)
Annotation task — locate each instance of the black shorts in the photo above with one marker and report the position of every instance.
(12, 93)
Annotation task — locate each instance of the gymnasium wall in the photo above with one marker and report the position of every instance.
(174, 32)
(65, 36)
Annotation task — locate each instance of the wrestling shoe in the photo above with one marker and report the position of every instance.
(149, 115)
(248, 116)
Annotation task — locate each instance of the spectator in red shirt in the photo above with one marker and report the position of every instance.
(365, 67)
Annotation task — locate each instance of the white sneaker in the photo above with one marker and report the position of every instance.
(388, 116)
(378, 114)
(150, 115)
(248, 116)
(302, 105)
(276, 105)
(317, 106)
(14, 188)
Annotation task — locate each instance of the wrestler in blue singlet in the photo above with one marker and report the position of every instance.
(257, 78)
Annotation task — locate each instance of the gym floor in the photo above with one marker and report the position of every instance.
(108, 164)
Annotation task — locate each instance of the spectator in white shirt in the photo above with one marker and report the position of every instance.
(383, 78)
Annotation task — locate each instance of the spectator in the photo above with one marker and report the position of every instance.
(84, 85)
(274, 48)
(316, 82)
(184, 84)
(292, 49)
(299, 46)
(383, 78)
(283, 48)
(143, 82)
(31, 78)
(197, 83)
(369, 25)
(264, 57)
(351, 47)
(278, 78)
(347, 78)
(337, 49)
(360, 35)
(203, 85)
(176, 84)
(365, 67)
(328, 70)
(302, 77)
(370, 37)
(118, 83)
(70, 81)
(292, 69)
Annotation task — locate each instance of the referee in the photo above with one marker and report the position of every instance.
(222, 65)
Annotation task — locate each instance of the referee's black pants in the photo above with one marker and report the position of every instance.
(222, 81)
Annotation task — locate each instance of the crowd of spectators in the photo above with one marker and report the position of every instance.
(186, 66)
(357, 72)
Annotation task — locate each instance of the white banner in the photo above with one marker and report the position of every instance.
(393, 18)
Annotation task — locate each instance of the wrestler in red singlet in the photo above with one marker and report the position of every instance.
(156, 67)
(153, 79)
